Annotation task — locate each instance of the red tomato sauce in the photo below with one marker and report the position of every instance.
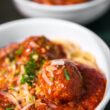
(68, 86)
(60, 2)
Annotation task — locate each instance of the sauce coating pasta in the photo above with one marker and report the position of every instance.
(39, 74)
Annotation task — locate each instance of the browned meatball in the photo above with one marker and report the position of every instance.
(59, 82)
(42, 46)
(35, 50)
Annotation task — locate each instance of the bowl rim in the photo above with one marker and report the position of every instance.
(80, 6)
(14, 23)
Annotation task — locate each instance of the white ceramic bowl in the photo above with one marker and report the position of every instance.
(80, 13)
(59, 29)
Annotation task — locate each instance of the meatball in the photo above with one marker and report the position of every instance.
(43, 47)
(36, 50)
(59, 82)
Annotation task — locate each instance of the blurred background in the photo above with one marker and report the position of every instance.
(101, 26)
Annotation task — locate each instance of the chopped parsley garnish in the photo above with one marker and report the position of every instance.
(20, 50)
(31, 68)
(10, 108)
(66, 74)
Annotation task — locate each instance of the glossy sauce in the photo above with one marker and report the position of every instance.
(93, 82)
(82, 87)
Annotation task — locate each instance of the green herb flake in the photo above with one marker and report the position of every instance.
(9, 108)
(32, 99)
(32, 68)
(20, 51)
(52, 79)
(23, 79)
(42, 61)
(30, 72)
(66, 74)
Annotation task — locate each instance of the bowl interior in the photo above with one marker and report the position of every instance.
(58, 29)
(64, 5)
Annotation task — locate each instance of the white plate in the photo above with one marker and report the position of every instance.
(59, 29)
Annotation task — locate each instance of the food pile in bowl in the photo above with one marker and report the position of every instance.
(39, 74)
(60, 2)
